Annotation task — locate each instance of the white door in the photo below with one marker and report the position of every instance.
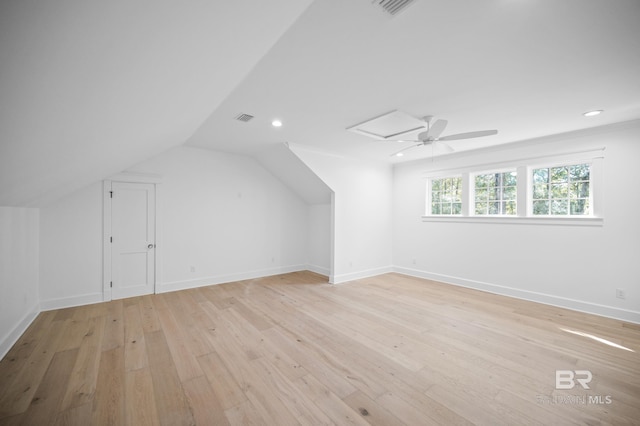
(133, 216)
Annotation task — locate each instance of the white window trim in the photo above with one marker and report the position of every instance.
(524, 167)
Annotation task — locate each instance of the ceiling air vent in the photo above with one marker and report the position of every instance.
(244, 117)
(392, 7)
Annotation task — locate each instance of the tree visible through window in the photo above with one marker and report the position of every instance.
(446, 196)
(562, 191)
(495, 193)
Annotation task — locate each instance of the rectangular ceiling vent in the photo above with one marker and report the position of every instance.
(392, 7)
(244, 117)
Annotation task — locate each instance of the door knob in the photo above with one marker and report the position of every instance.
(150, 246)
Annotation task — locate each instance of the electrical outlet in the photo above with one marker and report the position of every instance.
(620, 293)
(414, 261)
(192, 269)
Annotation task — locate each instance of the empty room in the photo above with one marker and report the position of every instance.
(319, 212)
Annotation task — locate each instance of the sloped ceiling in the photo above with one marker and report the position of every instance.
(88, 88)
(528, 68)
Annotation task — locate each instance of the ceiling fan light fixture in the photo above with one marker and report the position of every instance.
(593, 113)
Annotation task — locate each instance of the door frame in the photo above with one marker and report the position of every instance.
(154, 179)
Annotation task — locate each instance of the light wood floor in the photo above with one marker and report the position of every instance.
(291, 349)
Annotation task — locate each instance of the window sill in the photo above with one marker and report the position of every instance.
(518, 220)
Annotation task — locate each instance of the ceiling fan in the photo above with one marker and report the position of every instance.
(431, 136)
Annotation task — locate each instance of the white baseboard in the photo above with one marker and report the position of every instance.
(227, 278)
(547, 299)
(318, 269)
(69, 302)
(338, 279)
(12, 337)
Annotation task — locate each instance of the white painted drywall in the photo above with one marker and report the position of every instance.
(18, 273)
(362, 212)
(573, 266)
(226, 216)
(319, 248)
(71, 249)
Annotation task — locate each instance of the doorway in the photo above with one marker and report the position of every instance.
(130, 239)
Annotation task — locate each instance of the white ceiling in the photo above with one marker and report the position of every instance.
(88, 89)
(528, 68)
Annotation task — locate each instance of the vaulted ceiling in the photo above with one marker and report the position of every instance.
(88, 89)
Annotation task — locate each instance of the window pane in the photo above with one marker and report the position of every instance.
(579, 172)
(510, 179)
(509, 193)
(510, 207)
(435, 208)
(481, 208)
(481, 194)
(541, 207)
(541, 175)
(541, 191)
(559, 207)
(579, 207)
(456, 208)
(494, 207)
(445, 209)
(435, 185)
(559, 190)
(559, 174)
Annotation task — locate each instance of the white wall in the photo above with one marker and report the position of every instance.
(18, 273)
(362, 213)
(319, 249)
(572, 266)
(225, 215)
(71, 249)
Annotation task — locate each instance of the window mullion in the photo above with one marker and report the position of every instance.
(467, 194)
(524, 192)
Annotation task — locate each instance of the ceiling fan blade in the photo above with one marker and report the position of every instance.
(444, 146)
(469, 135)
(404, 149)
(436, 128)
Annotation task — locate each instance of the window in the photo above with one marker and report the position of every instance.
(446, 196)
(561, 191)
(495, 193)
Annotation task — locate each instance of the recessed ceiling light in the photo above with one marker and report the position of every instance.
(276, 123)
(400, 154)
(593, 113)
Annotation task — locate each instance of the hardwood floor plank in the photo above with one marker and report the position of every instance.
(135, 351)
(140, 405)
(17, 357)
(204, 403)
(171, 401)
(17, 394)
(224, 385)
(183, 358)
(108, 402)
(113, 326)
(371, 411)
(84, 376)
(46, 402)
